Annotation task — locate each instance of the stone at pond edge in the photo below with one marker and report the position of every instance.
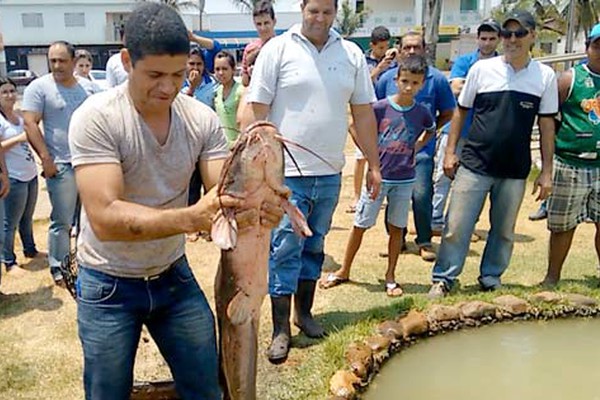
(360, 359)
(546, 297)
(415, 323)
(440, 313)
(393, 329)
(512, 304)
(380, 346)
(342, 384)
(477, 309)
(580, 300)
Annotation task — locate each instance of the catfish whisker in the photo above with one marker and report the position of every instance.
(289, 153)
(301, 147)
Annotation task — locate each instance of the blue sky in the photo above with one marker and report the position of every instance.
(226, 6)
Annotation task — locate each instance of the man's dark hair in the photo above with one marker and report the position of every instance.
(412, 33)
(70, 48)
(155, 29)
(415, 64)
(263, 7)
(334, 3)
(380, 34)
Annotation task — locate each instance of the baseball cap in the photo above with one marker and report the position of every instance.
(490, 23)
(594, 33)
(524, 18)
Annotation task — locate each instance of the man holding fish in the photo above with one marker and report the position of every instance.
(134, 149)
(303, 81)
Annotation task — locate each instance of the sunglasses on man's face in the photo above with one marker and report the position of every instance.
(519, 33)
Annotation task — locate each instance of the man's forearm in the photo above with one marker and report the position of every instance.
(36, 139)
(203, 42)
(458, 121)
(546, 125)
(125, 221)
(253, 112)
(366, 137)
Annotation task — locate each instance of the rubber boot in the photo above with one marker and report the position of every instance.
(278, 351)
(303, 302)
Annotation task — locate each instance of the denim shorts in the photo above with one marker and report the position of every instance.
(398, 196)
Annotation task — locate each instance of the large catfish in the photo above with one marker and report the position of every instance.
(254, 172)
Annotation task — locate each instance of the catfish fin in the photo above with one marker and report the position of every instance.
(224, 230)
(297, 219)
(239, 310)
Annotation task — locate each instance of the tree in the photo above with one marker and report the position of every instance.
(587, 13)
(433, 11)
(348, 21)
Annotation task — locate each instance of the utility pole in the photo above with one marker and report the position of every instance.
(570, 31)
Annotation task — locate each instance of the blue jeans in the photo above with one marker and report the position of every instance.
(110, 315)
(294, 258)
(441, 183)
(62, 191)
(19, 206)
(469, 191)
(421, 198)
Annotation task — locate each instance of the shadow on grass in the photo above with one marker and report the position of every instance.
(519, 238)
(330, 265)
(334, 321)
(14, 304)
(35, 264)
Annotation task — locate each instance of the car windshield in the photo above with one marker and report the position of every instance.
(98, 74)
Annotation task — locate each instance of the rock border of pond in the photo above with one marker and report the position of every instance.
(365, 358)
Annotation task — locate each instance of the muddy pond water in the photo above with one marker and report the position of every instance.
(521, 360)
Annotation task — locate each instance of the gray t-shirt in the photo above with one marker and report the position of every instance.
(108, 129)
(56, 103)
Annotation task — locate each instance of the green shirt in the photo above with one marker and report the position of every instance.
(227, 111)
(578, 139)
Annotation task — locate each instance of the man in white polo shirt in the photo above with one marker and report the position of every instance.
(303, 81)
(506, 94)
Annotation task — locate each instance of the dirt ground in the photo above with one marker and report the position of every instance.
(41, 355)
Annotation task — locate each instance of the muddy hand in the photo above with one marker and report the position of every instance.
(211, 203)
(270, 214)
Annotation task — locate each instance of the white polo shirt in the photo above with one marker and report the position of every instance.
(309, 91)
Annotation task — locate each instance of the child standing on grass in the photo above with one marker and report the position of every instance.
(404, 127)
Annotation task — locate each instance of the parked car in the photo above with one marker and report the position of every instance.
(22, 77)
(99, 78)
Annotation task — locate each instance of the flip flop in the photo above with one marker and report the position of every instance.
(393, 289)
(351, 209)
(331, 280)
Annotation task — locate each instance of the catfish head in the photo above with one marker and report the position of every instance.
(254, 172)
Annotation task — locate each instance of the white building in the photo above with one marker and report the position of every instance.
(29, 26)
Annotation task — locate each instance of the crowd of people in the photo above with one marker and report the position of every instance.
(134, 168)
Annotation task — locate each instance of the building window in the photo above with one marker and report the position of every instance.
(74, 19)
(469, 5)
(32, 20)
(360, 6)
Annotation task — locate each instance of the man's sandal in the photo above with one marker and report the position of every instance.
(331, 280)
(393, 289)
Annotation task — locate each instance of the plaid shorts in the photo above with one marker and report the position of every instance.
(575, 196)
